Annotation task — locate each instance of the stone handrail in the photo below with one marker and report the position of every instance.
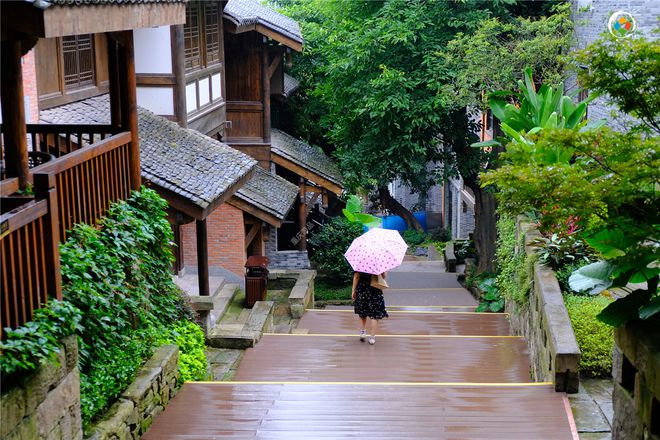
(450, 257)
(545, 323)
(302, 293)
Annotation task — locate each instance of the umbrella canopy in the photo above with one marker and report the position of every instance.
(376, 251)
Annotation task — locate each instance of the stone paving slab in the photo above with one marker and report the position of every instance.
(430, 297)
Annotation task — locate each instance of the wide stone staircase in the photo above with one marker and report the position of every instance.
(437, 371)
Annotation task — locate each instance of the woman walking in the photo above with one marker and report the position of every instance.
(369, 304)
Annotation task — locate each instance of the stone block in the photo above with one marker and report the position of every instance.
(26, 430)
(12, 409)
(146, 423)
(141, 386)
(56, 405)
(114, 420)
(49, 374)
(70, 344)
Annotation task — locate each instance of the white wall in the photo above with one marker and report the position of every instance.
(159, 100)
(153, 53)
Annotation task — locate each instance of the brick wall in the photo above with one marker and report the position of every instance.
(30, 88)
(226, 240)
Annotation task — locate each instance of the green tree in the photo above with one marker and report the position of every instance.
(376, 82)
(608, 179)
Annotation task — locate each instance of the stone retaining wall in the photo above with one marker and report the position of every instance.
(302, 293)
(636, 394)
(148, 395)
(46, 405)
(545, 323)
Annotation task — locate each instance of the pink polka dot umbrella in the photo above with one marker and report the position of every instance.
(376, 251)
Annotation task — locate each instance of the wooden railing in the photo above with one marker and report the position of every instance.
(30, 261)
(89, 180)
(75, 188)
(61, 139)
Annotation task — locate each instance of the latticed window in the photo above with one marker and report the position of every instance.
(78, 53)
(212, 32)
(201, 35)
(191, 37)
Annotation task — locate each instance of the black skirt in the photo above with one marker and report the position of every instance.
(369, 301)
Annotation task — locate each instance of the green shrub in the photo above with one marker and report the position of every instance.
(38, 340)
(118, 275)
(329, 290)
(595, 338)
(330, 243)
(514, 269)
(190, 339)
(491, 299)
(414, 237)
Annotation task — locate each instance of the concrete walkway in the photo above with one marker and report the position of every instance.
(437, 371)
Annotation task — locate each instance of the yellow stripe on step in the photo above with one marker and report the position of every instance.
(433, 384)
(349, 335)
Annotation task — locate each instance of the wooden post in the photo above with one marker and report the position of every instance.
(115, 87)
(129, 119)
(178, 68)
(265, 89)
(13, 112)
(303, 216)
(44, 187)
(202, 257)
(177, 249)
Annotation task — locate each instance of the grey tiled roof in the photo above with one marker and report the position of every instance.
(290, 85)
(305, 155)
(245, 13)
(184, 161)
(187, 162)
(269, 193)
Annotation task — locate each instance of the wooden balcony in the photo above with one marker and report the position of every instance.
(89, 169)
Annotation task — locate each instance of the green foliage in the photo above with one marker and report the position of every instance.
(558, 250)
(514, 268)
(118, 275)
(533, 112)
(331, 290)
(565, 272)
(353, 213)
(330, 242)
(413, 237)
(595, 338)
(509, 45)
(38, 340)
(491, 300)
(627, 70)
(190, 339)
(608, 175)
(464, 249)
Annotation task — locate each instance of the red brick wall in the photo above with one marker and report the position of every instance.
(30, 88)
(226, 238)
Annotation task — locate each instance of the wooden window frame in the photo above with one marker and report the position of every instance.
(203, 63)
(90, 82)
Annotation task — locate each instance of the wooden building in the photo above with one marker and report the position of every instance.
(75, 171)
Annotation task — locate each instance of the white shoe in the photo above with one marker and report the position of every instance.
(363, 335)
(372, 340)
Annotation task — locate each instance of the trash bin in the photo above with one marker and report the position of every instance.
(256, 277)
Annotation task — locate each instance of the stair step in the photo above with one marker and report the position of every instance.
(409, 323)
(419, 358)
(339, 411)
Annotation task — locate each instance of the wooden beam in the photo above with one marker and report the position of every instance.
(113, 80)
(313, 200)
(93, 19)
(306, 173)
(255, 212)
(44, 187)
(273, 64)
(178, 68)
(13, 112)
(265, 84)
(303, 216)
(202, 257)
(129, 103)
(280, 38)
(254, 230)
